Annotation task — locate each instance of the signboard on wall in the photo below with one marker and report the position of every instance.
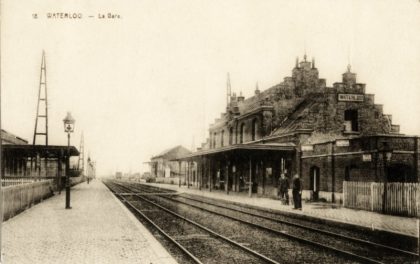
(351, 97)
(367, 157)
(342, 143)
(307, 147)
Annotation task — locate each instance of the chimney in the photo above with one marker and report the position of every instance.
(257, 90)
(241, 98)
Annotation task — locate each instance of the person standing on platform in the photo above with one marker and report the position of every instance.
(284, 189)
(297, 192)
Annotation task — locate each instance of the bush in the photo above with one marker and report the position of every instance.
(151, 179)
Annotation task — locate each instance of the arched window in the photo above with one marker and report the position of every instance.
(231, 136)
(214, 139)
(222, 136)
(241, 136)
(254, 129)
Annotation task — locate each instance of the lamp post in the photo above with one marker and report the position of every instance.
(68, 128)
(386, 156)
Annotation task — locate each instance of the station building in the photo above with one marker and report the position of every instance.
(22, 160)
(163, 165)
(325, 134)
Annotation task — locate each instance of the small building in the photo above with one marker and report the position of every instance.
(301, 126)
(23, 160)
(164, 165)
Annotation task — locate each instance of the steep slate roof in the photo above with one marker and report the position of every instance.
(292, 121)
(173, 153)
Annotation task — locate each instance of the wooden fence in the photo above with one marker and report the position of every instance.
(400, 199)
(17, 198)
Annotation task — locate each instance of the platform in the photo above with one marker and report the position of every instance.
(395, 224)
(98, 229)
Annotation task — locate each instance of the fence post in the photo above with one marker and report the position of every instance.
(344, 193)
(371, 196)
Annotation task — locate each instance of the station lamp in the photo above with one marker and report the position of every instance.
(68, 128)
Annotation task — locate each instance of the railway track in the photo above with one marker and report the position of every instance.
(280, 217)
(351, 248)
(192, 238)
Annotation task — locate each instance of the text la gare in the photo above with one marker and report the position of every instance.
(108, 16)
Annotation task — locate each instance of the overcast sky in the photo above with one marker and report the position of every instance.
(156, 77)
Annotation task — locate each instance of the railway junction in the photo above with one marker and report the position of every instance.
(164, 225)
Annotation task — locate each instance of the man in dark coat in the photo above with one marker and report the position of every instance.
(284, 189)
(297, 192)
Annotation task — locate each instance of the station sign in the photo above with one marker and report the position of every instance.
(342, 143)
(367, 157)
(351, 97)
(307, 147)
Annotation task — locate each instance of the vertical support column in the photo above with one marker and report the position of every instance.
(227, 177)
(263, 171)
(31, 166)
(39, 164)
(233, 175)
(179, 173)
(250, 178)
(256, 171)
(376, 159)
(25, 166)
(46, 165)
(210, 174)
(58, 176)
(416, 159)
(22, 166)
(300, 163)
(3, 164)
(13, 167)
(61, 172)
(188, 173)
(200, 179)
(332, 172)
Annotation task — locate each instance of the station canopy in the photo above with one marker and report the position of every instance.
(284, 147)
(44, 151)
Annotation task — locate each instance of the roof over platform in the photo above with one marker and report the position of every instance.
(42, 150)
(285, 147)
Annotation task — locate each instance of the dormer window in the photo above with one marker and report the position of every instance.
(351, 121)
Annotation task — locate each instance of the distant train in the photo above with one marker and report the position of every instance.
(118, 175)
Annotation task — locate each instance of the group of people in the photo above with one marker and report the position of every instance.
(296, 190)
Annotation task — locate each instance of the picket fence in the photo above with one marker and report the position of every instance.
(401, 198)
(17, 198)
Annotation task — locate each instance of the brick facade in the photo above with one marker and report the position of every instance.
(338, 133)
